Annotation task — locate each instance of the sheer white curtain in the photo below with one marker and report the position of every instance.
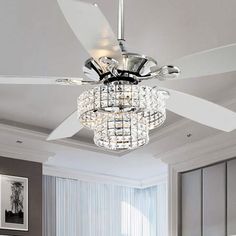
(66, 207)
(49, 206)
(90, 209)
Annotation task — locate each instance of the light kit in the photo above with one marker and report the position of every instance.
(121, 113)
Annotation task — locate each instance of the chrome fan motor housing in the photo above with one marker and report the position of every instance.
(107, 70)
(138, 64)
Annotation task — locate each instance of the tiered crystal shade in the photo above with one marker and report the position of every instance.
(121, 114)
(122, 131)
(154, 119)
(157, 116)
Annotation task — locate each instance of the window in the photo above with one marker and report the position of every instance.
(91, 209)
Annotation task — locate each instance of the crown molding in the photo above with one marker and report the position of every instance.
(103, 179)
(23, 153)
(42, 136)
(89, 177)
(205, 151)
(150, 182)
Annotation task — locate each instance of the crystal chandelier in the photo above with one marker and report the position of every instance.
(122, 113)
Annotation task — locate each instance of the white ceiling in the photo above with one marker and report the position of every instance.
(36, 40)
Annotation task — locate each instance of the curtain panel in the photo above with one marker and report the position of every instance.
(49, 206)
(92, 209)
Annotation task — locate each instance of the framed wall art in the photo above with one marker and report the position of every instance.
(13, 203)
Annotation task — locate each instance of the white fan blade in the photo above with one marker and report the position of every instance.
(69, 127)
(211, 62)
(91, 28)
(201, 111)
(40, 80)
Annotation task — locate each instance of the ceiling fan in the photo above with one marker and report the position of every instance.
(119, 109)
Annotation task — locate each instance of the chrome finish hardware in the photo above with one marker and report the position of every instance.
(74, 82)
(169, 72)
(121, 29)
(110, 64)
(164, 73)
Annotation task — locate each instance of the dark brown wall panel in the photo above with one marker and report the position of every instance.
(32, 171)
